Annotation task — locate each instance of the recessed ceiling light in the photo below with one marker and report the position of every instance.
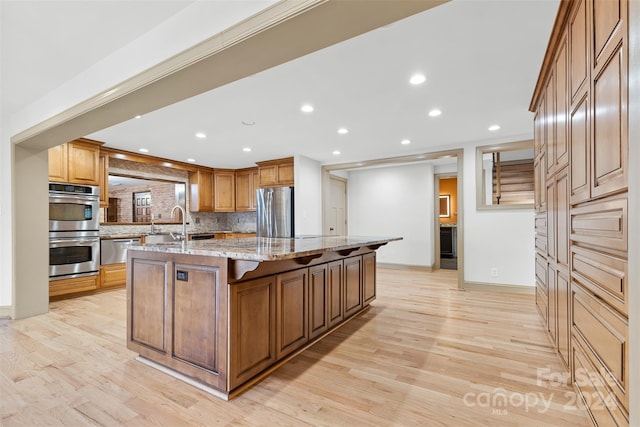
(143, 150)
(191, 160)
(246, 149)
(248, 122)
(336, 153)
(138, 116)
(417, 79)
(343, 131)
(434, 113)
(494, 128)
(405, 142)
(306, 108)
(201, 135)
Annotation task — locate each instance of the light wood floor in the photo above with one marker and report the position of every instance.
(425, 354)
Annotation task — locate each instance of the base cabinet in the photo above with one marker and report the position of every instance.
(113, 276)
(176, 313)
(318, 300)
(202, 317)
(73, 286)
(352, 285)
(292, 302)
(252, 327)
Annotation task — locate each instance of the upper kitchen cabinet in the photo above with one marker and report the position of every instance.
(75, 162)
(247, 180)
(201, 190)
(224, 191)
(212, 191)
(277, 172)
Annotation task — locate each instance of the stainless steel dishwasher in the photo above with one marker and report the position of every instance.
(114, 251)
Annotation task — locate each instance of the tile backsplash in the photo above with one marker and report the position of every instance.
(198, 222)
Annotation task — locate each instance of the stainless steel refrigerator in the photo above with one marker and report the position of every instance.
(275, 212)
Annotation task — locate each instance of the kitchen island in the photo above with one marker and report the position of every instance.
(222, 314)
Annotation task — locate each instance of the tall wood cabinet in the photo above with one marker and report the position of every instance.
(581, 167)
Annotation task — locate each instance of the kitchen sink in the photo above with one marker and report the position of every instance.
(158, 238)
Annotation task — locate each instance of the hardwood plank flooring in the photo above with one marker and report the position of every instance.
(424, 354)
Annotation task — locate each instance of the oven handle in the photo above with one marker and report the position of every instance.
(68, 242)
(58, 198)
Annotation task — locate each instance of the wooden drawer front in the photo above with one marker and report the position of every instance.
(601, 224)
(605, 337)
(541, 244)
(541, 302)
(604, 275)
(602, 405)
(71, 286)
(541, 272)
(541, 224)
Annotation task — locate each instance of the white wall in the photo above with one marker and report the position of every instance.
(307, 196)
(395, 201)
(502, 239)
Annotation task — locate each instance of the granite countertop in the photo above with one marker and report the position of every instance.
(266, 249)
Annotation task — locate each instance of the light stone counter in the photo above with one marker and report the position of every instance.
(267, 249)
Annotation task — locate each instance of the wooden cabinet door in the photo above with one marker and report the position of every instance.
(580, 152)
(83, 163)
(562, 107)
(318, 300)
(224, 190)
(562, 310)
(292, 316)
(147, 301)
(335, 290)
(368, 277)
(610, 151)
(58, 163)
(352, 285)
(72, 286)
(113, 276)
(252, 328)
(268, 175)
(285, 174)
(195, 311)
(201, 191)
(104, 180)
(246, 190)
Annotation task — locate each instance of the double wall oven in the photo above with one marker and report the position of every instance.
(74, 240)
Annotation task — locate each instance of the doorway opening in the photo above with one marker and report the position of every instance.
(447, 221)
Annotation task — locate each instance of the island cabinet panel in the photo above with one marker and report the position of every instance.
(335, 292)
(195, 315)
(318, 300)
(252, 327)
(148, 302)
(292, 311)
(369, 277)
(352, 285)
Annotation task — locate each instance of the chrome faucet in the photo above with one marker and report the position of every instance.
(182, 236)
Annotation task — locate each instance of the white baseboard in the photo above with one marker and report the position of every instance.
(427, 268)
(496, 287)
(6, 312)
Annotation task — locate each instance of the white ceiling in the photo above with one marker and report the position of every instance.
(481, 59)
